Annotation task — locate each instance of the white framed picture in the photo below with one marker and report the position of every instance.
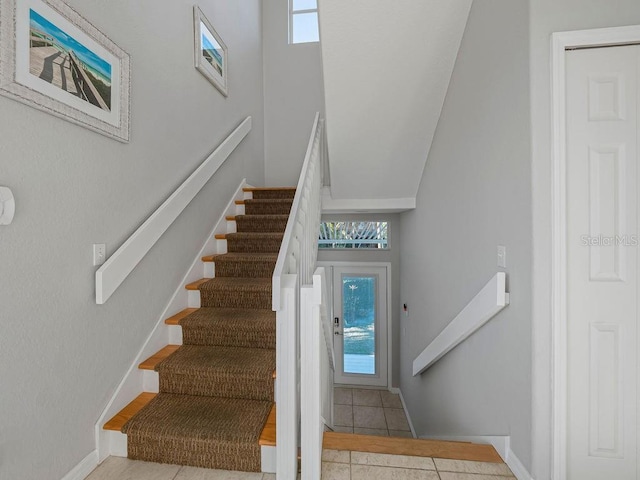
(211, 54)
(55, 60)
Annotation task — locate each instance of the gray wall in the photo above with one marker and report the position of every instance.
(548, 16)
(475, 195)
(294, 92)
(61, 355)
(392, 256)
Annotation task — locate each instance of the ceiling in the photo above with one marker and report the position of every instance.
(387, 66)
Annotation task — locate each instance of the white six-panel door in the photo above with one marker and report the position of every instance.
(602, 263)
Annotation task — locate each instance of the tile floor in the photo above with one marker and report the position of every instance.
(369, 412)
(116, 468)
(345, 465)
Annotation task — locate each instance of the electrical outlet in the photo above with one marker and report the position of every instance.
(502, 256)
(99, 254)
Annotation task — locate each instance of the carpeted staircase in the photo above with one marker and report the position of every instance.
(216, 390)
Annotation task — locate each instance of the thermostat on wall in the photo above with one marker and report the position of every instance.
(7, 206)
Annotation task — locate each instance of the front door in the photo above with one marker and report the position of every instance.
(602, 263)
(360, 325)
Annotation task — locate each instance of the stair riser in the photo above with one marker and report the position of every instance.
(244, 269)
(221, 298)
(236, 338)
(197, 453)
(186, 384)
(273, 194)
(276, 208)
(244, 245)
(261, 225)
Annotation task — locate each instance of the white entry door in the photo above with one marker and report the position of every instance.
(360, 325)
(602, 263)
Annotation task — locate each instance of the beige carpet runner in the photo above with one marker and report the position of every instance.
(216, 391)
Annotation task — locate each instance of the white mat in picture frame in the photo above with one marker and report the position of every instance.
(211, 53)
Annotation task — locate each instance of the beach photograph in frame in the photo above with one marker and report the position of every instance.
(211, 55)
(58, 62)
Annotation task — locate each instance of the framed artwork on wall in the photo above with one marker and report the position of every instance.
(55, 60)
(211, 53)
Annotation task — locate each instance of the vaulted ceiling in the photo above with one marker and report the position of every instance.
(387, 66)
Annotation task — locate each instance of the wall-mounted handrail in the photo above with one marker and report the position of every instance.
(483, 307)
(114, 271)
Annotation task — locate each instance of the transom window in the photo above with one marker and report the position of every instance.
(356, 234)
(303, 21)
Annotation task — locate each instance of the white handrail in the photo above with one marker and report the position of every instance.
(483, 307)
(114, 271)
(294, 267)
(298, 242)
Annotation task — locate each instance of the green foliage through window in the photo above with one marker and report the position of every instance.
(343, 235)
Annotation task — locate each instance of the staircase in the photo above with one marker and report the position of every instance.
(215, 406)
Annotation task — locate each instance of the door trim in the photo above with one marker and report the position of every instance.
(560, 43)
(386, 265)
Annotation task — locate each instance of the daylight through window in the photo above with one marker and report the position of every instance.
(353, 235)
(303, 21)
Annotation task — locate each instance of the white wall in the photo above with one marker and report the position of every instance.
(61, 355)
(294, 92)
(548, 16)
(392, 256)
(474, 195)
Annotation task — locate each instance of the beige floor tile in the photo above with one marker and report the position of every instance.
(343, 415)
(268, 476)
(463, 466)
(336, 471)
(368, 472)
(471, 476)
(400, 433)
(369, 417)
(390, 400)
(396, 419)
(193, 473)
(342, 396)
(336, 456)
(368, 398)
(342, 429)
(124, 469)
(385, 460)
(381, 432)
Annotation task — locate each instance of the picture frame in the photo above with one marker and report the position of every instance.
(53, 59)
(211, 53)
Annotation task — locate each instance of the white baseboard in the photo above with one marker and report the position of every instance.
(516, 466)
(268, 459)
(397, 391)
(133, 382)
(84, 468)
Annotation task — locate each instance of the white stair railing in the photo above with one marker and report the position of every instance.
(483, 307)
(318, 365)
(294, 267)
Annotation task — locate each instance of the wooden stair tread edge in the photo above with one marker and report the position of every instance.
(412, 446)
(266, 189)
(151, 362)
(123, 416)
(268, 435)
(175, 319)
(195, 285)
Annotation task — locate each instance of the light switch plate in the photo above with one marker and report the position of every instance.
(502, 256)
(99, 254)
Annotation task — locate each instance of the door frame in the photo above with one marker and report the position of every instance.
(560, 43)
(387, 265)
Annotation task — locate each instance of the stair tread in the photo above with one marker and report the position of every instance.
(124, 415)
(237, 362)
(196, 285)
(411, 446)
(266, 189)
(241, 257)
(245, 283)
(151, 362)
(268, 435)
(175, 319)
